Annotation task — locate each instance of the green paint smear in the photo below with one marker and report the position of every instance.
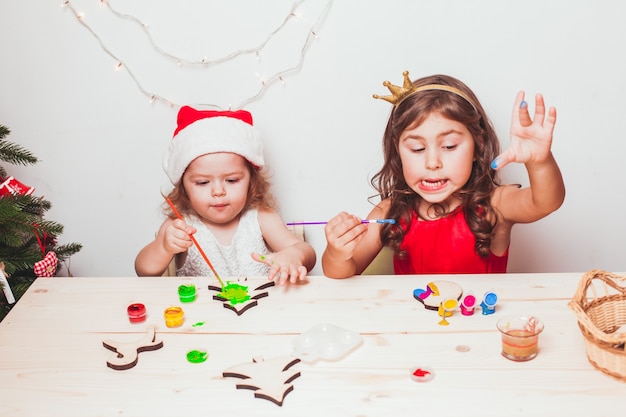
(197, 356)
(200, 323)
(235, 293)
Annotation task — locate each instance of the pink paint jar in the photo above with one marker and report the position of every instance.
(468, 303)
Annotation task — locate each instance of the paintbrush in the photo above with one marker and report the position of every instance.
(366, 221)
(195, 242)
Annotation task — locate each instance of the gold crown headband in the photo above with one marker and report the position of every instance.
(400, 93)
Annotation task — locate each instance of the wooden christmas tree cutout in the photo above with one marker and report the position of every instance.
(237, 298)
(271, 379)
(127, 354)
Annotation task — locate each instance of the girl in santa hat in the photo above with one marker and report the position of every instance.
(215, 161)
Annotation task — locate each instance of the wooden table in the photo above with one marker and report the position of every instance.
(53, 362)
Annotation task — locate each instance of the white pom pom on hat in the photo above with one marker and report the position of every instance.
(200, 132)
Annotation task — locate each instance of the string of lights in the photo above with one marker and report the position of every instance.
(204, 62)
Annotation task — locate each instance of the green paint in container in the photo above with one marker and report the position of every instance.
(187, 293)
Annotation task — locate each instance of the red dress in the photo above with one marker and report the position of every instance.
(445, 246)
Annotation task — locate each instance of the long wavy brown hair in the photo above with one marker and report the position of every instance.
(259, 195)
(475, 196)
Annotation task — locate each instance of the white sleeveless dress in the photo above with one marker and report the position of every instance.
(232, 261)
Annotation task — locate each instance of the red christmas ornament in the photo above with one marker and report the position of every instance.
(47, 267)
(13, 186)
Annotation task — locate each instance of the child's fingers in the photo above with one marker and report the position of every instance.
(551, 119)
(181, 225)
(302, 271)
(179, 230)
(278, 275)
(540, 111)
(524, 116)
(503, 159)
(281, 274)
(546, 122)
(288, 275)
(264, 259)
(176, 241)
(517, 108)
(274, 273)
(344, 231)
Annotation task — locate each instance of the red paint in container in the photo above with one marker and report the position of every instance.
(137, 313)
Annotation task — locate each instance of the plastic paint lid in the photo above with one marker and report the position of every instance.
(490, 298)
(449, 304)
(469, 300)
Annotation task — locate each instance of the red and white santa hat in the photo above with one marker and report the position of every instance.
(200, 132)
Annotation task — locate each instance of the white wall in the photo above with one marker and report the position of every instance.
(100, 139)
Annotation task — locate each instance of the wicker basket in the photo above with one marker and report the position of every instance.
(600, 305)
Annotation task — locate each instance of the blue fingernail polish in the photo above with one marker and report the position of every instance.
(523, 104)
(494, 163)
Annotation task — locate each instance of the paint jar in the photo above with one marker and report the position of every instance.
(488, 305)
(520, 337)
(136, 313)
(446, 307)
(174, 316)
(187, 293)
(468, 303)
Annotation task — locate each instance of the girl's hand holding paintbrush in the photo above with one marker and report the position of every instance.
(173, 237)
(176, 236)
(344, 233)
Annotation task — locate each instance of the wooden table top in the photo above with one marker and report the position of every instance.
(53, 361)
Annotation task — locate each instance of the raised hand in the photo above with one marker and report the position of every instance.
(531, 138)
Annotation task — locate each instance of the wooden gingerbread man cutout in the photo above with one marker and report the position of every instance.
(127, 354)
(271, 379)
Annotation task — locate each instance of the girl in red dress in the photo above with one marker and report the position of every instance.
(440, 184)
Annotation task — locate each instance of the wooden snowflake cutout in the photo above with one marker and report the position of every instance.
(270, 380)
(237, 297)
